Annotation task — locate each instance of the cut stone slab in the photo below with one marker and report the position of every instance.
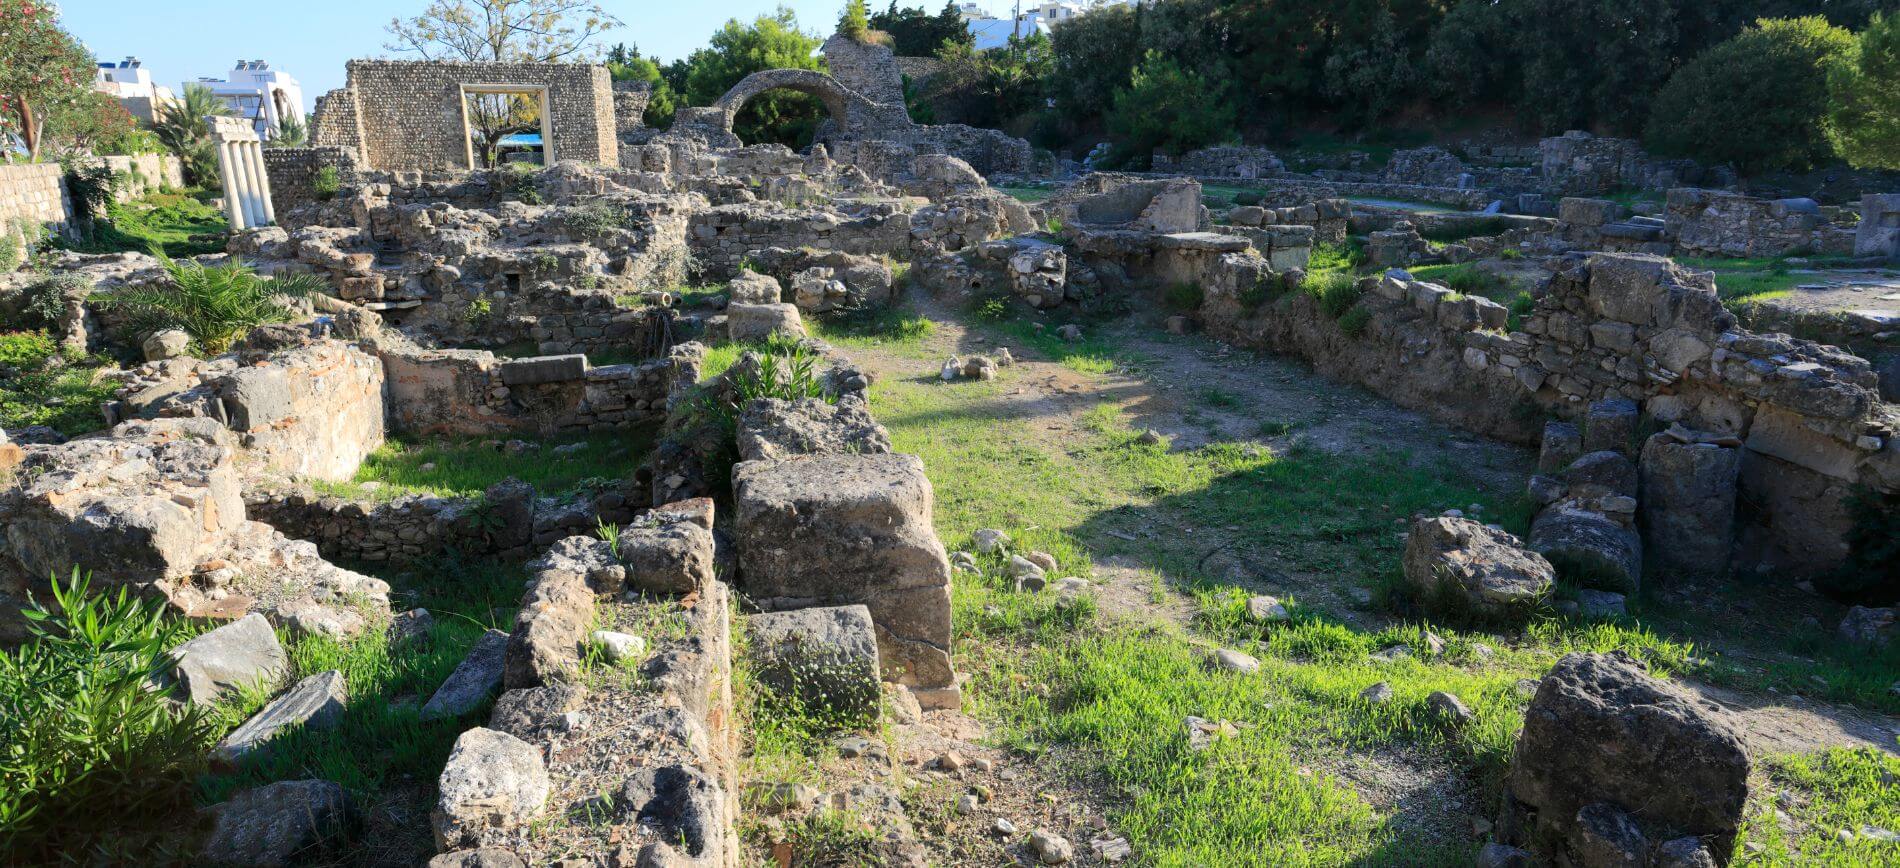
(1611, 424)
(284, 823)
(1562, 444)
(474, 680)
(556, 613)
(239, 654)
(827, 657)
(493, 782)
(674, 558)
(747, 323)
(1589, 549)
(750, 287)
(771, 429)
(1688, 502)
(315, 703)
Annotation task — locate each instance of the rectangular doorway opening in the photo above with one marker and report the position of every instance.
(506, 123)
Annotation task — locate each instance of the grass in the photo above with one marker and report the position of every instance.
(1028, 194)
(893, 328)
(1101, 699)
(1469, 279)
(1092, 354)
(466, 467)
(168, 220)
(1857, 791)
(1747, 281)
(40, 385)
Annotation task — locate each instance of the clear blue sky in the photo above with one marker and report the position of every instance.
(181, 40)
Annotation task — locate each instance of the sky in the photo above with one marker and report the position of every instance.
(183, 40)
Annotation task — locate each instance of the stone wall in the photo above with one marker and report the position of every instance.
(144, 173)
(1222, 162)
(34, 193)
(473, 392)
(409, 114)
(1716, 223)
(867, 68)
(1611, 326)
(1580, 164)
(293, 172)
(722, 237)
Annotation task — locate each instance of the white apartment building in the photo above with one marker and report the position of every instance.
(265, 96)
(1023, 19)
(131, 84)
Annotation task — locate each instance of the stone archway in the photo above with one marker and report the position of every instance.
(852, 115)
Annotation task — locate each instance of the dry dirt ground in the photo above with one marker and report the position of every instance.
(1165, 390)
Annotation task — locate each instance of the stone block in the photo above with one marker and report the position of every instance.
(828, 530)
(1490, 569)
(242, 653)
(474, 680)
(285, 823)
(492, 782)
(1562, 444)
(1688, 502)
(826, 657)
(1611, 425)
(1589, 549)
(544, 369)
(669, 558)
(314, 703)
(748, 323)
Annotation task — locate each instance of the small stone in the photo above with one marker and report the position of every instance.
(950, 761)
(982, 764)
(1151, 437)
(1022, 568)
(990, 540)
(1450, 707)
(1044, 560)
(967, 804)
(1071, 333)
(1235, 661)
(618, 647)
(1377, 694)
(1003, 827)
(1434, 645)
(1263, 609)
(1111, 849)
(1600, 605)
(1071, 586)
(778, 798)
(1049, 847)
(854, 747)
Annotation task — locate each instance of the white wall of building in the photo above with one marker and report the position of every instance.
(131, 84)
(264, 96)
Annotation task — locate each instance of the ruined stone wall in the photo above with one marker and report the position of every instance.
(143, 173)
(1222, 162)
(1580, 164)
(1612, 326)
(293, 172)
(410, 113)
(722, 237)
(336, 123)
(473, 392)
(1309, 189)
(867, 68)
(1716, 223)
(991, 152)
(1437, 167)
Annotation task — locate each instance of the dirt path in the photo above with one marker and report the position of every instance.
(1280, 402)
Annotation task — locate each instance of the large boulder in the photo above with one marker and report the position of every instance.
(493, 783)
(286, 823)
(1605, 745)
(1589, 548)
(770, 428)
(1688, 502)
(752, 323)
(751, 287)
(244, 653)
(825, 658)
(833, 530)
(684, 807)
(1490, 569)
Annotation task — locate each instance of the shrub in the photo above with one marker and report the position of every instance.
(326, 184)
(1863, 93)
(26, 351)
(1871, 574)
(1354, 323)
(1261, 292)
(81, 727)
(1337, 291)
(593, 219)
(517, 183)
(93, 187)
(1168, 107)
(1756, 101)
(1521, 307)
(1183, 296)
(44, 301)
(855, 21)
(215, 305)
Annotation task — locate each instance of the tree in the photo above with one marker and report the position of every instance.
(1863, 114)
(916, 33)
(855, 22)
(1167, 107)
(1756, 101)
(663, 101)
(182, 128)
(94, 124)
(738, 50)
(42, 69)
(995, 88)
(291, 133)
(501, 31)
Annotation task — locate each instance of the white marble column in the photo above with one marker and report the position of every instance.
(253, 204)
(263, 184)
(228, 172)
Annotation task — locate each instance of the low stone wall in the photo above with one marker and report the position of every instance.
(34, 193)
(1716, 223)
(1222, 162)
(722, 237)
(473, 392)
(144, 173)
(1300, 190)
(293, 172)
(508, 522)
(1612, 326)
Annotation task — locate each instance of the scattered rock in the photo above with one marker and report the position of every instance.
(315, 703)
(1377, 694)
(1048, 847)
(1235, 661)
(1111, 850)
(242, 653)
(1449, 708)
(284, 823)
(166, 344)
(493, 781)
(1489, 570)
(1600, 605)
(1070, 332)
(1003, 827)
(989, 540)
(480, 857)
(1044, 560)
(1504, 856)
(618, 647)
(474, 680)
(1868, 626)
(779, 798)
(1263, 610)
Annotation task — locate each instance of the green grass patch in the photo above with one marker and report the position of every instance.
(466, 467)
(40, 385)
(1740, 282)
(1469, 279)
(1028, 194)
(894, 328)
(1856, 791)
(1092, 354)
(168, 220)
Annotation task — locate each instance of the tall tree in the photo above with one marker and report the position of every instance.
(1863, 117)
(42, 68)
(855, 21)
(502, 31)
(916, 33)
(182, 128)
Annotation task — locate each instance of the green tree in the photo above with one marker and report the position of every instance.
(662, 101)
(1863, 114)
(182, 129)
(1000, 88)
(738, 50)
(1166, 107)
(94, 124)
(855, 21)
(1756, 101)
(1092, 56)
(42, 69)
(916, 33)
